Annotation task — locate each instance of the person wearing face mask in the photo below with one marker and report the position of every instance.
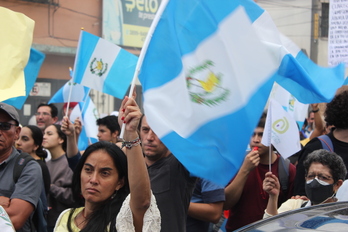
(324, 174)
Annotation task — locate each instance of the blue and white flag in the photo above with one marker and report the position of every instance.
(103, 66)
(31, 71)
(88, 114)
(78, 93)
(281, 130)
(204, 87)
(300, 76)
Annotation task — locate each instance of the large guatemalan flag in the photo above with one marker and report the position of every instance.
(103, 66)
(206, 77)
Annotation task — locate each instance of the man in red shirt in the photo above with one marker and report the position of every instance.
(245, 198)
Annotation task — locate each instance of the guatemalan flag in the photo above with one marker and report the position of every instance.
(206, 77)
(204, 86)
(88, 114)
(306, 81)
(103, 66)
(78, 93)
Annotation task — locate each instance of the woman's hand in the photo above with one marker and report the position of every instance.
(67, 127)
(129, 114)
(77, 127)
(271, 184)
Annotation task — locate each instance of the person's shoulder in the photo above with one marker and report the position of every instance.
(62, 221)
(313, 143)
(209, 185)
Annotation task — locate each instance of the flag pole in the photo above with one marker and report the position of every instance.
(143, 51)
(270, 140)
(70, 91)
(72, 75)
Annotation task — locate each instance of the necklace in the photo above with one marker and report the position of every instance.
(84, 220)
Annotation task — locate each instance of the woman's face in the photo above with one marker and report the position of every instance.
(99, 177)
(323, 173)
(25, 142)
(51, 138)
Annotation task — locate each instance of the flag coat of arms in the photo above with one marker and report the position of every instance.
(281, 130)
(201, 97)
(103, 66)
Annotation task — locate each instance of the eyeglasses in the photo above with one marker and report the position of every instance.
(43, 114)
(320, 177)
(4, 126)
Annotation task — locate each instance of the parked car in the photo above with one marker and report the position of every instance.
(324, 217)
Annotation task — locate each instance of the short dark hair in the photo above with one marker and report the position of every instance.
(333, 161)
(336, 112)
(262, 121)
(54, 109)
(111, 122)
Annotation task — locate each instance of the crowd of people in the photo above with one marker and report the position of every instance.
(137, 184)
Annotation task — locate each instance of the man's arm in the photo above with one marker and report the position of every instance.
(26, 194)
(19, 212)
(210, 212)
(234, 190)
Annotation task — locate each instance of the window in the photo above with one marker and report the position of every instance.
(324, 25)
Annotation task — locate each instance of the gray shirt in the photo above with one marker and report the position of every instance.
(172, 186)
(60, 196)
(28, 186)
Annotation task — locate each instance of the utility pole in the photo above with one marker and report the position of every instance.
(315, 31)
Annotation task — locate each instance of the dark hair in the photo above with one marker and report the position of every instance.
(111, 122)
(37, 136)
(336, 112)
(330, 159)
(108, 210)
(61, 135)
(54, 109)
(262, 121)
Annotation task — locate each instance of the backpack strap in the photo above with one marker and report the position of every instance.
(20, 163)
(326, 142)
(283, 173)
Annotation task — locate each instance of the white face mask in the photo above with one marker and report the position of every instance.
(320, 181)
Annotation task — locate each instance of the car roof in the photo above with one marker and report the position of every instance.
(324, 217)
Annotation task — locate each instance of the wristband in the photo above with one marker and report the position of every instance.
(130, 144)
(315, 111)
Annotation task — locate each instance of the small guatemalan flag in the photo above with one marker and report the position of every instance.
(103, 66)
